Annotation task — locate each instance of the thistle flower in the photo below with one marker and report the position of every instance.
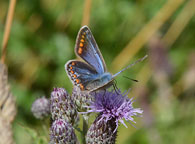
(102, 132)
(114, 105)
(82, 99)
(40, 108)
(62, 106)
(62, 132)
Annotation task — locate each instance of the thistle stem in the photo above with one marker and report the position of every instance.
(85, 127)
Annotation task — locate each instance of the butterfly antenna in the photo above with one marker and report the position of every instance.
(131, 79)
(139, 60)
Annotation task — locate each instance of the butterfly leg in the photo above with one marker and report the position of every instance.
(115, 87)
(104, 92)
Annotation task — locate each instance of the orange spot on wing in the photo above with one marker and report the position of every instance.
(83, 36)
(74, 76)
(72, 71)
(77, 80)
(73, 63)
(82, 40)
(81, 44)
(71, 68)
(80, 50)
(81, 86)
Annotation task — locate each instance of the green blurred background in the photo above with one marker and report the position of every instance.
(42, 40)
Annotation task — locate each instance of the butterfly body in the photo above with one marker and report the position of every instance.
(91, 74)
(101, 81)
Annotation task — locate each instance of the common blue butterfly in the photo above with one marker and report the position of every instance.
(92, 74)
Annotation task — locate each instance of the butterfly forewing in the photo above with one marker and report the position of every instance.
(87, 49)
(80, 73)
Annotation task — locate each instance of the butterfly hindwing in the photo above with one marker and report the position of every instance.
(87, 49)
(80, 73)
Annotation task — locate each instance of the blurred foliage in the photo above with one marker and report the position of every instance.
(42, 40)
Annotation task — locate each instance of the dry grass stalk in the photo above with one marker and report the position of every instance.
(181, 18)
(180, 23)
(86, 13)
(7, 28)
(146, 33)
(7, 108)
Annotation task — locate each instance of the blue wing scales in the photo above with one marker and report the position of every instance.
(87, 49)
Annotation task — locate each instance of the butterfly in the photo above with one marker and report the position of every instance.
(92, 74)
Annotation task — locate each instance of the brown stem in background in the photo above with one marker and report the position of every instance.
(179, 24)
(145, 73)
(7, 28)
(86, 13)
(146, 33)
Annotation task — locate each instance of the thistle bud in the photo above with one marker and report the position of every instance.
(82, 99)
(40, 108)
(62, 133)
(102, 131)
(62, 106)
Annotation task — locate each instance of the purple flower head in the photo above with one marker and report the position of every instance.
(114, 105)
